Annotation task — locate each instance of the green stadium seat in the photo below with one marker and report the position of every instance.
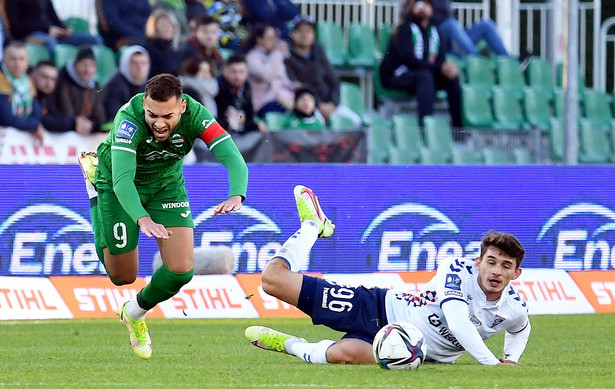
(596, 105)
(479, 72)
(557, 140)
(461, 66)
(37, 53)
(107, 67)
(495, 156)
(522, 156)
(539, 74)
(438, 136)
(475, 108)
(351, 97)
(275, 121)
(594, 145)
(510, 75)
(385, 31)
(362, 46)
(466, 156)
(433, 157)
(378, 136)
(407, 135)
(537, 108)
(78, 24)
(63, 54)
(402, 156)
(559, 103)
(507, 110)
(331, 38)
(341, 123)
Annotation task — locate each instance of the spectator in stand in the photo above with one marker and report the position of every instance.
(415, 62)
(45, 78)
(122, 22)
(194, 9)
(130, 79)
(309, 65)
(179, 10)
(77, 93)
(37, 21)
(463, 41)
(19, 106)
(203, 42)
(163, 42)
(199, 83)
(305, 115)
(228, 15)
(234, 100)
(272, 90)
(276, 13)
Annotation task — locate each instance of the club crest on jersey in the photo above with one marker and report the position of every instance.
(453, 282)
(474, 320)
(177, 140)
(498, 320)
(126, 129)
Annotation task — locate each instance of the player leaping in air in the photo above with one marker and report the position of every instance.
(136, 182)
(465, 303)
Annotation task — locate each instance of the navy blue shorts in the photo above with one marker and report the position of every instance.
(358, 311)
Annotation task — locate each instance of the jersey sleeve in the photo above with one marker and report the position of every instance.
(452, 281)
(126, 137)
(515, 342)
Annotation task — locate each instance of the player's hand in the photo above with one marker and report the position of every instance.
(507, 362)
(153, 229)
(231, 205)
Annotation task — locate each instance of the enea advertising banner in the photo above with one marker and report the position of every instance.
(389, 218)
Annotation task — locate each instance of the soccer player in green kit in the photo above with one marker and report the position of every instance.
(136, 182)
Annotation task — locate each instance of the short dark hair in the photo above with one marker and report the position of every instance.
(190, 66)
(163, 86)
(202, 20)
(505, 242)
(235, 58)
(43, 63)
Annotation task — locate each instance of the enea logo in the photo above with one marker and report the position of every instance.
(583, 238)
(47, 239)
(408, 237)
(252, 235)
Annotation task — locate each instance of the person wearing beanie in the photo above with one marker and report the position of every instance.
(129, 80)
(304, 115)
(77, 92)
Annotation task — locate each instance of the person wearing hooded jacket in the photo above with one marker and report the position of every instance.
(129, 80)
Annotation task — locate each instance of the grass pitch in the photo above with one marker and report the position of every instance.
(572, 351)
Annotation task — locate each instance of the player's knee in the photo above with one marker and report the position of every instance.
(122, 279)
(350, 352)
(342, 355)
(271, 275)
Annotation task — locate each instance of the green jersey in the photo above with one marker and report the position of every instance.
(131, 160)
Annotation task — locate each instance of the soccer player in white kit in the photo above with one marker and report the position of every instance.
(465, 303)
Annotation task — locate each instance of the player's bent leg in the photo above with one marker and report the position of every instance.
(351, 351)
(177, 252)
(122, 268)
(280, 282)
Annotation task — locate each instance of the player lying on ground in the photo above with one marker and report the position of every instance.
(463, 304)
(139, 184)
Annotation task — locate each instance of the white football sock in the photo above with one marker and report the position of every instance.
(134, 311)
(297, 248)
(309, 352)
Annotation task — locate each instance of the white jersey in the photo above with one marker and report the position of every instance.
(456, 284)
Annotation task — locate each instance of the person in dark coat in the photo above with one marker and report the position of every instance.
(45, 78)
(122, 22)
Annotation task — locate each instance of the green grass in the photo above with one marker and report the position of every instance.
(572, 351)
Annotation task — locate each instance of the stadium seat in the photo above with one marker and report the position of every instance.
(479, 72)
(362, 46)
(461, 66)
(438, 136)
(384, 35)
(105, 57)
(275, 121)
(596, 105)
(331, 38)
(539, 74)
(537, 108)
(378, 140)
(341, 123)
(37, 53)
(403, 156)
(510, 75)
(559, 75)
(522, 156)
(63, 53)
(594, 146)
(495, 156)
(78, 24)
(507, 110)
(559, 103)
(433, 157)
(390, 99)
(466, 156)
(407, 135)
(557, 142)
(475, 108)
(351, 97)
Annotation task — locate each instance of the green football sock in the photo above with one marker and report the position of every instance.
(164, 284)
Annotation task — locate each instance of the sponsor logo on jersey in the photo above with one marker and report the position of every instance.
(177, 140)
(161, 154)
(126, 129)
(474, 320)
(453, 293)
(583, 235)
(185, 214)
(434, 320)
(47, 239)
(498, 320)
(123, 140)
(176, 204)
(453, 282)
(411, 236)
(252, 235)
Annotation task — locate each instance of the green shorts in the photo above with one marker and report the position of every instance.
(166, 204)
